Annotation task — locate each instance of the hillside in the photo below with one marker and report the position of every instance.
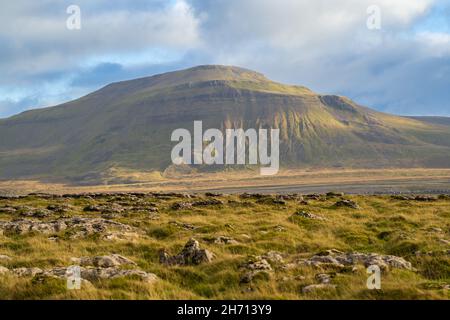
(127, 125)
(435, 120)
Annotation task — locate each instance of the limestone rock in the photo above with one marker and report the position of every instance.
(318, 287)
(27, 272)
(95, 274)
(191, 254)
(313, 196)
(252, 195)
(181, 206)
(224, 240)
(337, 259)
(323, 278)
(290, 197)
(308, 215)
(79, 227)
(92, 208)
(59, 208)
(38, 213)
(425, 198)
(182, 225)
(8, 210)
(334, 194)
(273, 257)
(347, 203)
(213, 194)
(91, 269)
(5, 258)
(254, 266)
(208, 202)
(271, 200)
(113, 260)
(3, 270)
(279, 228)
(23, 226)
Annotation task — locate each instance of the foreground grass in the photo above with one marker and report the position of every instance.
(382, 225)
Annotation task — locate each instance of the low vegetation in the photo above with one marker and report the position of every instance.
(247, 246)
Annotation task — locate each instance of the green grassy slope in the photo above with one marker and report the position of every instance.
(128, 124)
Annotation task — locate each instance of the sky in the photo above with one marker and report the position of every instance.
(401, 66)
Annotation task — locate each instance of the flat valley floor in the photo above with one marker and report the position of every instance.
(362, 181)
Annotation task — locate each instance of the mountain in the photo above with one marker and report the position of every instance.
(434, 120)
(127, 126)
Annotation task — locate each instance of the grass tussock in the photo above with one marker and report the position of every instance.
(409, 229)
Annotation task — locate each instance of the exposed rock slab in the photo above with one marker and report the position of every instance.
(81, 227)
(338, 259)
(91, 269)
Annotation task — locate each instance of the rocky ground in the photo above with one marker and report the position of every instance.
(214, 246)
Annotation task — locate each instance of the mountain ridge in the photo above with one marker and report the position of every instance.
(128, 124)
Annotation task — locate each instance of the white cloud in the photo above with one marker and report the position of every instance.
(324, 44)
(437, 44)
(403, 11)
(39, 42)
(301, 23)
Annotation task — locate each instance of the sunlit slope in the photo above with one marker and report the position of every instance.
(128, 125)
